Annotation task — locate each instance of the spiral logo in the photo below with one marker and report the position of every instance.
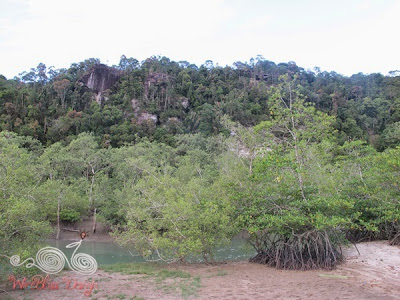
(50, 260)
(14, 260)
(83, 263)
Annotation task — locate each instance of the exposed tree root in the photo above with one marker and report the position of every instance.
(392, 231)
(395, 240)
(357, 236)
(4, 291)
(310, 250)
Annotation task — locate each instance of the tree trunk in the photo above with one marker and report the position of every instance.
(299, 176)
(58, 218)
(91, 190)
(62, 101)
(94, 220)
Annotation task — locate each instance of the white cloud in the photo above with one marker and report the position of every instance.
(345, 39)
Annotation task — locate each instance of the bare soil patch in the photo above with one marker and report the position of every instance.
(374, 274)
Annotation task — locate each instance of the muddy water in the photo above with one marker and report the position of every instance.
(111, 253)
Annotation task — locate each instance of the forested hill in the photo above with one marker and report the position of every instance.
(158, 98)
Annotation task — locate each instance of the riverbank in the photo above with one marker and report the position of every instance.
(374, 274)
(101, 234)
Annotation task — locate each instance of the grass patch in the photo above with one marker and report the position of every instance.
(131, 268)
(190, 287)
(103, 279)
(164, 274)
(222, 273)
(151, 270)
(118, 296)
(170, 281)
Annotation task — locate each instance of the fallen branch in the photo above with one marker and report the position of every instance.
(4, 291)
(72, 230)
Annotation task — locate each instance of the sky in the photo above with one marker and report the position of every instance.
(345, 36)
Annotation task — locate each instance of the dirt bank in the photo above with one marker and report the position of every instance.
(374, 274)
(101, 234)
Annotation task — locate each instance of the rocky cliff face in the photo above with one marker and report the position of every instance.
(100, 78)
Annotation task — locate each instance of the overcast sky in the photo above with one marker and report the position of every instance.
(346, 36)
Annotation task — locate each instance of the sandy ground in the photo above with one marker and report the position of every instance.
(374, 274)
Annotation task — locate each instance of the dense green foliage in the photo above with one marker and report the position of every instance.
(52, 105)
(302, 162)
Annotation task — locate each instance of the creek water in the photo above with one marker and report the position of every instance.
(111, 253)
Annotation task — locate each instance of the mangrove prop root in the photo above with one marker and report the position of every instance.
(310, 250)
(395, 240)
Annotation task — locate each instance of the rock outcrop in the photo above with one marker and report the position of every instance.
(100, 78)
(185, 102)
(159, 80)
(144, 116)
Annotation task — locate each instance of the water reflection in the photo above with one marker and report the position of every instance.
(111, 253)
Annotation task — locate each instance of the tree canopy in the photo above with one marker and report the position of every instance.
(178, 159)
